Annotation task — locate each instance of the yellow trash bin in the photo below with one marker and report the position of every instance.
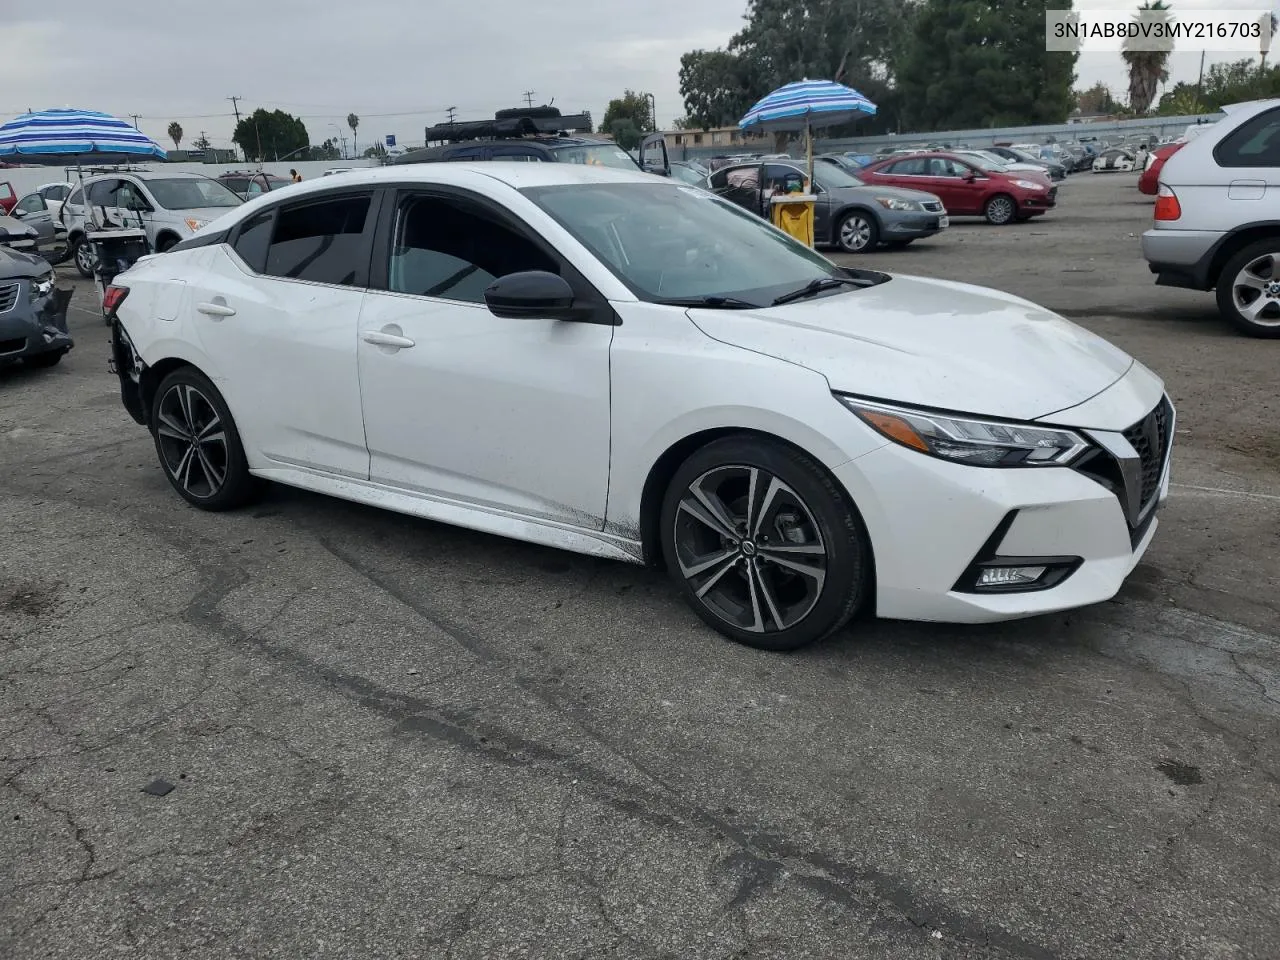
(792, 213)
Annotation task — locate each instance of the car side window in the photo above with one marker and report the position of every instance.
(55, 193)
(915, 167)
(453, 250)
(466, 153)
(1255, 143)
(77, 197)
(319, 241)
(103, 193)
(32, 203)
(253, 240)
(781, 176)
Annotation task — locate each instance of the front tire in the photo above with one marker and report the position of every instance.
(82, 256)
(198, 444)
(1249, 289)
(1000, 209)
(858, 232)
(764, 544)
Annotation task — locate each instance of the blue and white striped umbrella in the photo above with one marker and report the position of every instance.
(808, 103)
(78, 136)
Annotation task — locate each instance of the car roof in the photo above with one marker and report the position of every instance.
(149, 175)
(513, 173)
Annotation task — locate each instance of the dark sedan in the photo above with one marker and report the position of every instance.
(33, 312)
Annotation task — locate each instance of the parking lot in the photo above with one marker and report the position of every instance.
(387, 737)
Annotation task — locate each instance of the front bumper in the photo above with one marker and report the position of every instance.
(32, 327)
(931, 522)
(1039, 202)
(911, 226)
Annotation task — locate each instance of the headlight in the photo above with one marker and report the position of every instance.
(1028, 185)
(981, 443)
(195, 224)
(892, 203)
(41, 288)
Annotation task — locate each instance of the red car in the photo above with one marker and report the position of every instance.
(1149, 181)
(8, 199)
(966, 187)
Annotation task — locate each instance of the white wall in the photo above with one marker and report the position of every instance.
(26, 179)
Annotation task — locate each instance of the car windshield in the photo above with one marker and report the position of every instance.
(598, 155)
(669, 242)
(687, 174)
(985, 163)
(191, 193)
(832, 176)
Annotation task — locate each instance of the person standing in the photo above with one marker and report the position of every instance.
(295, 176)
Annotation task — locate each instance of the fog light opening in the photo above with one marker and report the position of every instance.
(1009, 576)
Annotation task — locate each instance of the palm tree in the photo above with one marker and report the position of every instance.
(353, 121)
(175, 134)
(1147, 68)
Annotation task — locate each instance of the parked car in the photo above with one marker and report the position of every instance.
(16, 235)
(55, 194)
(33, 312)
(967, 187)
(841, 160)
(847, 213)
(608, 362)
(1149, 179)
(985, 158)
(7, 197)
(690, 172)
(169, 206)
(1115, 160)
(1055, 170)
(1217, 217)
(248, 184)
(51, 236)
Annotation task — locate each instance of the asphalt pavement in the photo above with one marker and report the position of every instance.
(313, 729)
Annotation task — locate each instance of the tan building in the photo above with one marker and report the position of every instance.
(715, 137)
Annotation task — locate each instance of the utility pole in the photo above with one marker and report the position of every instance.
(528, 97)
(451, 111)
(135, 120)
(235, 105)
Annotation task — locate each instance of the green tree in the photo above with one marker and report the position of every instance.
(970, 63)
(1269, 30)
(1147, 68)
(625, 133)
(325, 151)
(1234, 82)
(718, 87)
(1097, 99)
(376, 152)
(264, 135)
(353, 121)
(632, 105)
(201, 143)
(175, 134)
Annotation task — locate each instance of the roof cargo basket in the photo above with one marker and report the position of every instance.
(518, 122)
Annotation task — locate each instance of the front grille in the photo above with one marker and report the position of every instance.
(13, 346)
(8, 297)
(932, 206)
(1150, 438)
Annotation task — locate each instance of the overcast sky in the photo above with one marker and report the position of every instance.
(397, 64)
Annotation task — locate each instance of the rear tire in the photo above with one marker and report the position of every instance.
(198, 444)
(82, 256)
(764, 544)
(1245, 296)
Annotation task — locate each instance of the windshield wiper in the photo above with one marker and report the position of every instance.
(815, 287)
(711, 303)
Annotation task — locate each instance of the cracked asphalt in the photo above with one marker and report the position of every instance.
(391, 738)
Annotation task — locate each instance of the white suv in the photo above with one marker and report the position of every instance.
(169, 206)
(1217, 217)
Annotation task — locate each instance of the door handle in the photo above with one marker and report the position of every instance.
(215, 310)
(383, 339)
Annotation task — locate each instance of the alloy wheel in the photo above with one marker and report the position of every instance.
(192, 441)
(855, 233)
(1000, 210)
(1255, 291)
(85, 259)
(750, 549)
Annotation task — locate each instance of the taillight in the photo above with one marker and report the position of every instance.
(112, 299)
(1167, 206)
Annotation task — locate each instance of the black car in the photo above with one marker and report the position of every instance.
(535, 134)
(33, 312)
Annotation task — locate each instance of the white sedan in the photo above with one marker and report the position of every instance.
(628, 367)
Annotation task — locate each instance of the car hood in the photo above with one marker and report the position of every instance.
(16, 265)
(869, 192)
(932, 343)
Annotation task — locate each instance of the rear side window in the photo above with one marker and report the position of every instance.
(321, 242)
(1255, 143)
(255, 236)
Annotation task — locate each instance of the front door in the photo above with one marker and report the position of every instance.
(510, 415)
(34, 212)
(278, 321)
(653, 155)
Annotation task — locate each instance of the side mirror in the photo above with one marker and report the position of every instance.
(4, 236)
(17, 214)
(530, 294)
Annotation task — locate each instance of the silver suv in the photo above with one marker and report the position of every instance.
(169, 206)
(1217, 217)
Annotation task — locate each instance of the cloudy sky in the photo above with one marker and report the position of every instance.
(398, 64)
